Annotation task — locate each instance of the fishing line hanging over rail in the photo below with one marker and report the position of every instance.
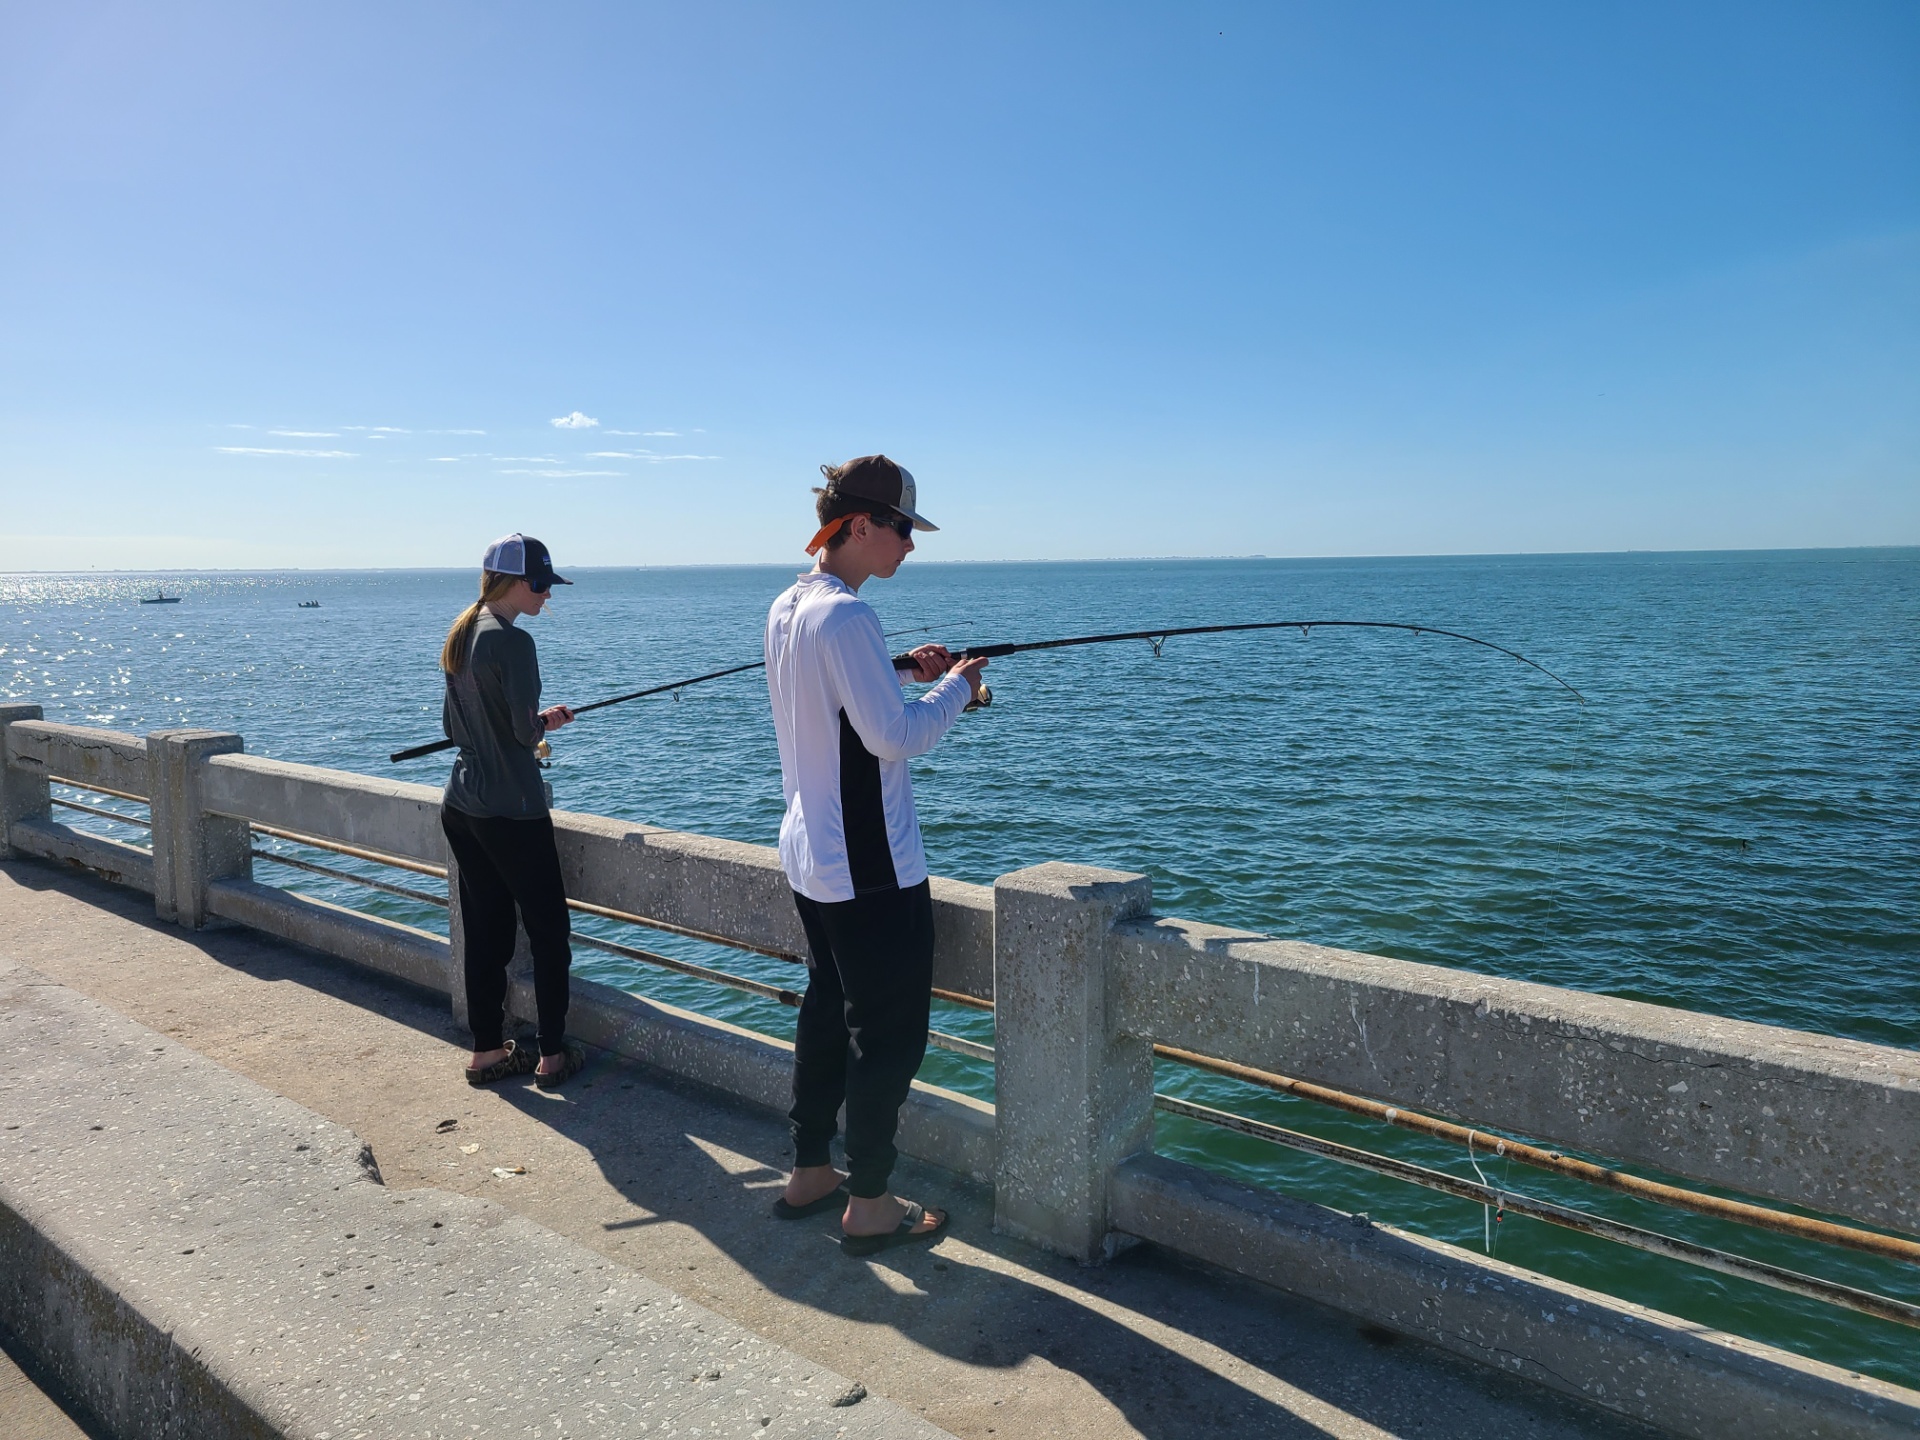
(1156, 638)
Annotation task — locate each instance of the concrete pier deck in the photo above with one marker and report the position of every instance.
(27, 1412)
(667, 1186)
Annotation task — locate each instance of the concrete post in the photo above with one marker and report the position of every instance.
(190, 847)
(1072, 1098)
(23, 796)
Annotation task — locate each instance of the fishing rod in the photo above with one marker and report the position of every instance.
(1156, 638)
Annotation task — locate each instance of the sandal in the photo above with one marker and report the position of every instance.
(903, 1234)
(834, 1199)
(573, 1061)
(516, 1062)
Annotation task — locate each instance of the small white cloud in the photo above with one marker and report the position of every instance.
(391, 430)
(558, 474)
(648, 456)
(444, 460)
(531, 459)
(575, 421)
(644, 433)
(456, 432)
(303, 454)
(306, 434)
(670, 433)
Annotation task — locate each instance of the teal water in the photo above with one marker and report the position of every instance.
(1729, 825)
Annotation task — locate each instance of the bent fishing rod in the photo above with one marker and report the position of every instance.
(1156, 638)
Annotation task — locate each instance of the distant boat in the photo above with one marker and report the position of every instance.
(309, 604)
(160, 598)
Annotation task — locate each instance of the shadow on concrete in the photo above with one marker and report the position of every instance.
(33, 1406)
(1150, 1331)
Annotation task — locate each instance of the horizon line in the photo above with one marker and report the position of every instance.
(1078, 560)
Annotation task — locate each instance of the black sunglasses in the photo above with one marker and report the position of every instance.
(899, 524)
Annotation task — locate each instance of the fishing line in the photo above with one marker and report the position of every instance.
(1487, 1217)
(1156, 638)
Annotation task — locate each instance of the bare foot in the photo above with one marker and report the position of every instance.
(813, 1182)
(882, 1214)
(481, 1059)
(551, 1065)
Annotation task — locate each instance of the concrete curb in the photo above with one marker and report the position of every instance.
(189, 1254)
(1655, 1368)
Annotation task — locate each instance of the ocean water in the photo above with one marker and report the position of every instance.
(1729, 824)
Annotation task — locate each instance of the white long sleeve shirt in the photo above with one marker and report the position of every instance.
(846, 733)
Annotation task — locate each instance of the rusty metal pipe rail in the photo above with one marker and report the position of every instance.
(140, 821)
(99, 789)
(1887, 1247)
(439, 872)
(378, 857)
(1739, 1266)
(786, 997)
(606, 913)
(384, 886)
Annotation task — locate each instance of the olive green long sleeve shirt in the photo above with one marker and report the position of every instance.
(492, 712)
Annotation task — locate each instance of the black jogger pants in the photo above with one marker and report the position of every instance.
(507, 861)
(863, 1026)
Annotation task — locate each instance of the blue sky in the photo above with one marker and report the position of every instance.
(307, 285)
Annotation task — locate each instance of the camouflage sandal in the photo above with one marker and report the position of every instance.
(573, 1061)
(518, 1061)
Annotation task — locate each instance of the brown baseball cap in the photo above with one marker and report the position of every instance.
(875, 477)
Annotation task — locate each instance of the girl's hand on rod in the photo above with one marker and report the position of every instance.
(556, 716)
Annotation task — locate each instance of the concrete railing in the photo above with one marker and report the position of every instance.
(1085, 981)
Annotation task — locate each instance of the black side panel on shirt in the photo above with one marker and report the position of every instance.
(863, 814)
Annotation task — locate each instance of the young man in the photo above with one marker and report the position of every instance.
(850, 845)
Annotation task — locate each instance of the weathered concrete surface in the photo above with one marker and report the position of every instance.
(1631, 1359)
(23, 789)
(193, 1255)
(28, 1412)
(395, 816)
(726, 887)
(955, 1131)
(191, 847)
(1075, 1096)
(983, 1335)
(1830, 1124)
(117, 860)
(400, 950)
(721, 886)
(937, 1123)
(111, 758)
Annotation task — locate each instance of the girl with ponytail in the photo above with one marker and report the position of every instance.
(495, 816)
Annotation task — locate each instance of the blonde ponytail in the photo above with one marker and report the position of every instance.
(453, 655)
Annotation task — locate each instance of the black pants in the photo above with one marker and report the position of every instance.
(863, 1026)
(506, 862)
